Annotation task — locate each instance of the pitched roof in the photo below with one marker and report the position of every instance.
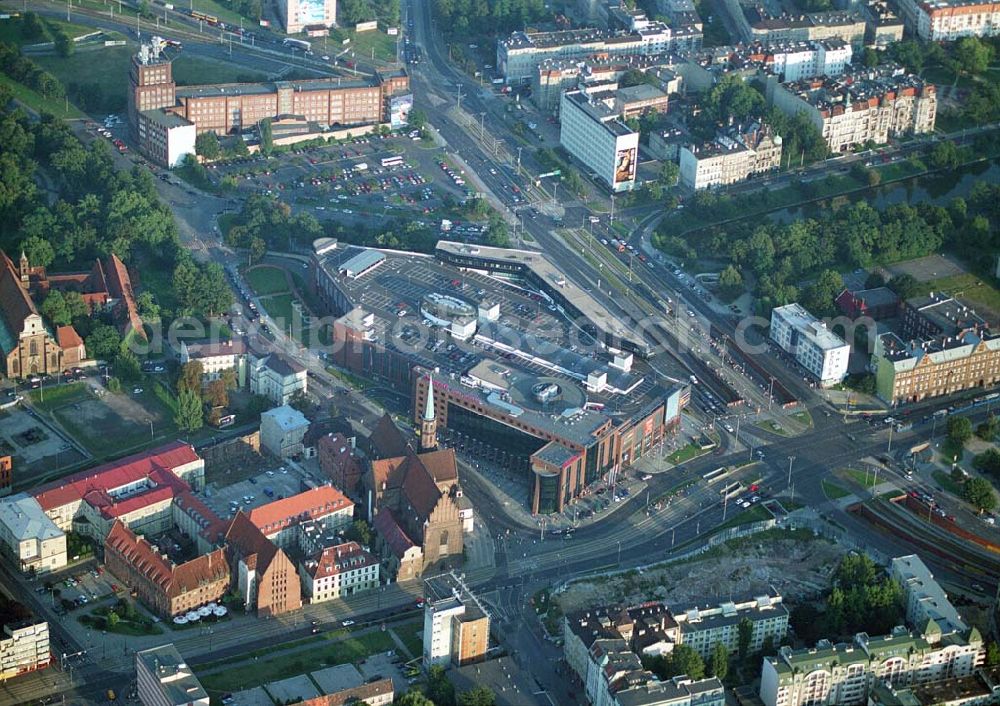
(67, 337)
(212, 526)
(116, 474)
(310, 505)
(392, 534)
(386, 440)
(384, 472)
(341, 558)
(15, 304)
(249, 543)
(120, 287)
(281, 365)
(440, 464)
(173, 580)
(420, 489)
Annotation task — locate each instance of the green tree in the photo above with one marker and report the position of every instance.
(819, 297)
(477, 696)
(148, 308)
(719, 665)
(190, 377)
(871, 57)
(417, 119)
(360, 532)
(959, 430)
(684, 660)
(188, 417)
(972, 54)
(266, 137)
(103, 342)
(744, 635)
(412, 698)
(987, 431)
(978, 492)
(39, 251)
(54, 309)
(229, 379)
(207, 145)
(730, 283)
(988, 462)
(113, 620)
(31, 26)
(63, 44)
(945, 154)
(669, 174)
(127, 366)
(76, 306)
(905, 285)
(216, 394)
(439, 689)
(258, 248)
(992, 654)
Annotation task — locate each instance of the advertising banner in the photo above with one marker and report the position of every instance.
(625, 165)
(399, 111)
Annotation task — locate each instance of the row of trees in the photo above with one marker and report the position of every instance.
(198, 403)
(28, 73)
(353, 11)
(463, 17)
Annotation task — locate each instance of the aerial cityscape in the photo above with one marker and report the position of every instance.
(500, 352)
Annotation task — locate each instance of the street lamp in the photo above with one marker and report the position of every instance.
(791, 459)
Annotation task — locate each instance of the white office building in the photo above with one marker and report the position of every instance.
(24, 647)
(282, 430)
(341, 570)
(820, 351)
(592, 132)
(29, 537)
(164, 679)
(275, 377)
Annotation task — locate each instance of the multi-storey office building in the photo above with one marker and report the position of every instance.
(298, 15)
(820, 351)
(594, 134)
(702, 625)
(456, 623)
(24, 642)
(163, 678)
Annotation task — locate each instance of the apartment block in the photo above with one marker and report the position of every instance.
(914, 370)
(755, 24)
(702, 625)
(937, 315)
(163, 678)
(456, 623)
(325, 505)
(276, 377)
(820, 351)
(925, 599)
(592, 132)
(24, 642)
(338, 571)
(843, 674)
(943, 20)
(982, 688)
(860, 107)
(734, 156)
(519, 55)
(216, 357)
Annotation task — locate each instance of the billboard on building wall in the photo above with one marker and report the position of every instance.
(311, 12)
(625, 165)
(399, 111)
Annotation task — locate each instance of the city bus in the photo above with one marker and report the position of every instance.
(392, 161)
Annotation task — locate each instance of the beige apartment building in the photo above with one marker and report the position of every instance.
(943, 20)
(867, 106)
(730, 158)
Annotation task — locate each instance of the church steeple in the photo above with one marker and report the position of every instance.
(24, 268)
(428, 424)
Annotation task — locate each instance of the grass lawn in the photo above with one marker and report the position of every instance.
(803, 417)
(104, 67)
(59, 108)
(865, 480)
(58, 396)
(834, 491)
(973, 288)
(266, 280)
(411, 634)
(361, 44)
(774, 427)
(277, 666)
(122, 627)
(754, 513)
(686, 453)
(189, 70)
(279, 308)
(944, 480)
(118, 424)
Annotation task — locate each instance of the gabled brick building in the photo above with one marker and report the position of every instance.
(168, 589)
(262, 572)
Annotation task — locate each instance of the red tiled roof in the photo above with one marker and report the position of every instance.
(391, 532)
(116, 473)
(172, 580)
(212, 526)
(120, 287)
(386, 439)
(67, 337)
(440, 464)
(341, 559)
(248, 543)
(420, 489)
(310, 505)
(15, 304)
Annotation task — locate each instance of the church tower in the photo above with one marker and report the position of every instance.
(428, 424)
(24, 268)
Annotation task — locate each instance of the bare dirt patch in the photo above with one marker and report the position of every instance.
(794, 567)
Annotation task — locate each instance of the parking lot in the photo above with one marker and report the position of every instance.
(281, 482)
(371, 176)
